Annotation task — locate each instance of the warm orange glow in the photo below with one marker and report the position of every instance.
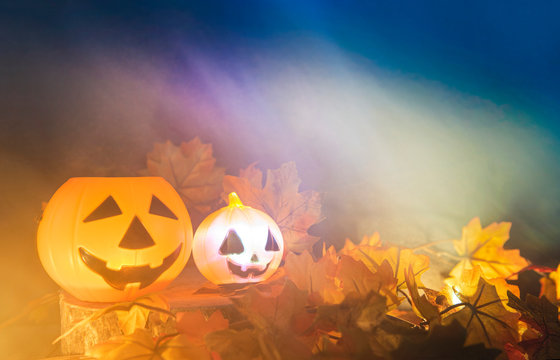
(454, 298)
(237, 244)
(114, 239)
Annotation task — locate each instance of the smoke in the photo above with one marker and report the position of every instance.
(394, 153)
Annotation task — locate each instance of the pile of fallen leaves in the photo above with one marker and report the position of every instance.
(365, 300)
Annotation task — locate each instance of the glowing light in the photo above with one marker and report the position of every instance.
(454, 298)
(237, 244)
(114, 239)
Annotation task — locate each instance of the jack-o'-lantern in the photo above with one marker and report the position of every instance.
(237, 244)
(114, 239)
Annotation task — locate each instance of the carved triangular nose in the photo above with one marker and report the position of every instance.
(254, 258)
(136, 237)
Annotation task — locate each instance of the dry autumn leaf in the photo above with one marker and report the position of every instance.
(234, 345)
(273, 311)
(190, 169)
(141, 346)
(137, 315)
(467, 285)
(355, 276)
(294, 212)
(555, 276)
(280, 319)
(372, 241)
(484, 316)
(195, 325)
(420, 303)
(361, 311)
(484, 247)
(317, 278)
(541, 316)
(372, 254)
(443, 342)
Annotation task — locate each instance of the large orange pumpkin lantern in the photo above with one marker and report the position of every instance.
(237, 244)
(114, 239)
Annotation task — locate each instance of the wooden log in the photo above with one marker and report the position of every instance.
(184, 294)
(72, 311)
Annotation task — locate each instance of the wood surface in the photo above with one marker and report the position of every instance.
(189, 292)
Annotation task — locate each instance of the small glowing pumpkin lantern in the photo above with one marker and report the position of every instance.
(114, 239)
(237, 244)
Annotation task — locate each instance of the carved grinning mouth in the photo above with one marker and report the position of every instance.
(118, 279)
(250, 272)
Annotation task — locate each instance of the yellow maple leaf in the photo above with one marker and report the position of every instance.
(195, 325)
(467, 285)
(555, 275)
(484, 317)
(372, 255)
(372, 241)
(317, 278)
(137, 316)
(484, 247)
(420, 303)
(354, 276)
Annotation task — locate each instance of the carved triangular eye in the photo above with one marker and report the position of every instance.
(106, 209)
(232, 244)
(271, 244)
(157, 207)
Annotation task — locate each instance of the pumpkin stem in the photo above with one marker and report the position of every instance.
(234, 200)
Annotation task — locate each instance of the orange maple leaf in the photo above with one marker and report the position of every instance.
(195, 325)
(355, 276)
(372, 241)
(190, 169)
(317, 278)
(484, 316)
(372, 254)
(554, 276)
(293, 211)
(484, 247)
(420, 303)
(467, 285)
(137, 316)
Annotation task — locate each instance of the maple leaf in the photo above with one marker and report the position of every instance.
(513, 352)
(355, 276)
(467, 285)
(273, 311)
(279, 318)
(137, 315)
(346, 328)
(420, 304)
(317, 278)
(555, 276)
(484, 247)
(190, 169)
(141, 346)
(195, 325)
(363, 311)
(542, 316)
(443, 342)
(233, 344)
(485, 317)
(548, 289)
(294, 212)
(400, 259)
(367, 241)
